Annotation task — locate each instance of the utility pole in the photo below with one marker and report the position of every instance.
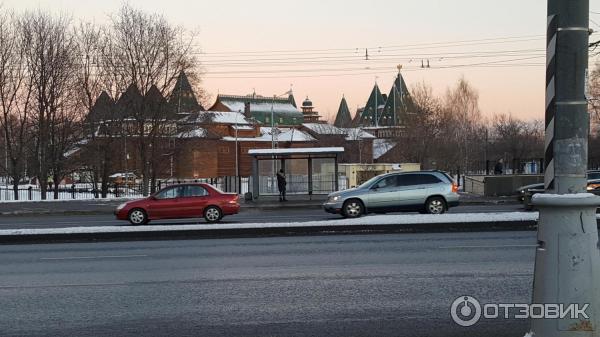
(567, 261)
(237, 164)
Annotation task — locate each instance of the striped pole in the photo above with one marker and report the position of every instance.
(551, 30)
(567, 118)
(567, 257)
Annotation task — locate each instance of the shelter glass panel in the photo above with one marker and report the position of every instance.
(296, 176)
(323, 172)
(267, 176)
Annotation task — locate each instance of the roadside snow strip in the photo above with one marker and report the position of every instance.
(377, 220)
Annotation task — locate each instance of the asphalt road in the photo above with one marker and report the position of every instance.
(352, 285)
(246, 216)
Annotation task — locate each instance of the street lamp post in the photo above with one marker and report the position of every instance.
(273, 123)
(273, 136)
(237, 167)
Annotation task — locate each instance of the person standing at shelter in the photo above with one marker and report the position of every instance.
(498, 168)
(281, 185)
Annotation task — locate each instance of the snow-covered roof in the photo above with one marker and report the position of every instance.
(243, 127)
(217, 117)
(228, 117)
(282, 135)
(123, 175)
(71, 152)
(381, 147)
(324, 129)
(357, 133)
(279, 107)
(305, 150)
(76, 148)
(195, 133)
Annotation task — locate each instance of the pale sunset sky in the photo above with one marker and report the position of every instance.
(319, 46)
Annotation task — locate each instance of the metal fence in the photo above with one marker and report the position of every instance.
(87, 191)
(299, 185)
(70, 192)
(229, 184)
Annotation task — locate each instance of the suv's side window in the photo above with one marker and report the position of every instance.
(426, 179)
(417, 179)
(408, 179)
(386, 182)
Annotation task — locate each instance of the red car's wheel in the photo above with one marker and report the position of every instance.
(137, 217)
(213, 214)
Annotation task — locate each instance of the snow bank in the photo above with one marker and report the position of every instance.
(542, 196)
(378, 220)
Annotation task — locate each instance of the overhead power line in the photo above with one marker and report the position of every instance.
(500, 40)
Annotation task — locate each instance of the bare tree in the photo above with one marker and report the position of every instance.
(423, 128)
(516, 139)
(50, 57)
(148, 51)
(15, 96)
(102, 126)
(463, 128)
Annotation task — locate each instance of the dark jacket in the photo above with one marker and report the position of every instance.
(498, 168)
(281, 183)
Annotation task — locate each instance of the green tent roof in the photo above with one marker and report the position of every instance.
(343, 119)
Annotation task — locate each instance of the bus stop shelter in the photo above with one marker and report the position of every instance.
(308, 171)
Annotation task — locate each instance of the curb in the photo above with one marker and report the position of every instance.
(248, 207)
(526, 225)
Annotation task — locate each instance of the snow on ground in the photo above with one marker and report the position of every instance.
(543, 196)
(377, 220)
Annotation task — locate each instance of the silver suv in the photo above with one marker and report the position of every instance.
(424, 191)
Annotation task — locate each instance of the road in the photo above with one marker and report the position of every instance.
(246, 216)
(352, 285)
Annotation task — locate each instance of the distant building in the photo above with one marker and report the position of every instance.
(189, 142)
(343, 119)
(398, 106)
(182, 99)
(265, 110)
(310, 115)
(386, 115)
(369, 115)
(357, 142)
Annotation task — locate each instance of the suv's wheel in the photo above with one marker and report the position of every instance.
(353, 209)
(138, 216)
(212, 214)
(435, 205)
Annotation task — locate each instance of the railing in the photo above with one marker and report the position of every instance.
(474, 184)
(70, 192)
(227, 184)
(298, 184)
(86, 191)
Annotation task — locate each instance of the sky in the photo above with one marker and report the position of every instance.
(318, 47)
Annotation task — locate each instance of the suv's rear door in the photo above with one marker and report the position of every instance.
(411, 190)
(433, 185)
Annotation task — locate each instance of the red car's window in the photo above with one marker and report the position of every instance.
(169, 193)
(194, 191)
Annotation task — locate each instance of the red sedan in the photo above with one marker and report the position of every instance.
(178, 202)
